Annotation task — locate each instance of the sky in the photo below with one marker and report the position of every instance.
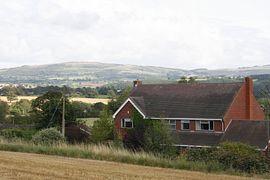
(185, 34)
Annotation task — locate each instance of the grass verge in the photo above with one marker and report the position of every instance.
(103, 152)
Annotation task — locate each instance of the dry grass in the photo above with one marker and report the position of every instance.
(33, 166)
(84, 100)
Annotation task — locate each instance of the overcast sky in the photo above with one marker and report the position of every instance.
(173, 33)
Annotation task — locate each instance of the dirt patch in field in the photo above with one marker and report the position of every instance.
(15, 165)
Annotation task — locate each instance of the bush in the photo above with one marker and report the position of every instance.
(234, 155)
(200, 154)
(102, 129)
(48, 137)
(242, 157)
(25, 134)
(158, 139)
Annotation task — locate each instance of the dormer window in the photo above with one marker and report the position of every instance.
(127, 123)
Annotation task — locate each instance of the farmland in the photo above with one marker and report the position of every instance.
(14, 165)
(84, 100)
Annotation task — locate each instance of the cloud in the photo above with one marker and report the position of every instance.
(185, 34)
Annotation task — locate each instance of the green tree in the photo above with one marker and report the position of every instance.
(183, 79)
(265, 101)
(3, 111)
(21, 108)
(103, 129)
(158, 139)
(11, 93)
(47, 110)
(191, 79)
(115, 103)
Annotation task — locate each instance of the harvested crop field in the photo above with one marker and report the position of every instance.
(15, 165)
(84, 100)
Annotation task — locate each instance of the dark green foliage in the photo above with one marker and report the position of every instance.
(3, 111)
(238, 156)
(242, 157)
(114, 104)
(47, 110)
(48, 137)
(134, 139)
(149, 135)
(25, 134)
(21, 108)
(200, 154)
(102, 129)
(158, 139)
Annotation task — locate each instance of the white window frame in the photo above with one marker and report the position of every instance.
(206, 122)
(184, 122)
(123, 123)
(170, 124)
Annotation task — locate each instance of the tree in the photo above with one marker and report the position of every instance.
(150, 135)
(265, 101)
(187, 80)
(102, 129)
(47, 110)
(3, 111)
(11, 93)
(115, 103)
(191, 79)
(21, 108)
(158, 139)
(183, 79)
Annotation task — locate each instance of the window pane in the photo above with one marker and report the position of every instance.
(211, 125)
(128, 124)
(185, 125)
(205, 126)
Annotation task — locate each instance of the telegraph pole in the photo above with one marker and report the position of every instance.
(63, 116)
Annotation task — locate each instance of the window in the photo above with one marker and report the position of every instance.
(206, 125)
(127, 123)
(185, 125)
(171, 124)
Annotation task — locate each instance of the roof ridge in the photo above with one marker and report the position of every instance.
(193, 83)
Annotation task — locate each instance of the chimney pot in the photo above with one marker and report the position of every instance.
(137, 83)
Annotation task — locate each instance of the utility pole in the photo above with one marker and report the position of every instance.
(63, 115)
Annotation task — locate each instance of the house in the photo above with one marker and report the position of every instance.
(199, 114)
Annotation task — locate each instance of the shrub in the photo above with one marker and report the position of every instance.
(234, 155)
(242, 157)
(200, 154)
(102, 129)
(48, 137)
(158, 139)
(25, 134)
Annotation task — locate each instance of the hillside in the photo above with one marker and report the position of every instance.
(93, 73)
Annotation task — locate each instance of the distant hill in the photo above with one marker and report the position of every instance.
(76, 73)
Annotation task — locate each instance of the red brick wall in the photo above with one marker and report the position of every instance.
(125, 112)
(244, 106)
(178, 125)
(192, 126)
(217, 126)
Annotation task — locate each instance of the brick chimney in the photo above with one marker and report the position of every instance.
(137, 83)
(249, 93)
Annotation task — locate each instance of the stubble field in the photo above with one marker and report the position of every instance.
(15, 165)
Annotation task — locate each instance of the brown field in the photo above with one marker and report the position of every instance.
(85, 100)
(15, 165)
